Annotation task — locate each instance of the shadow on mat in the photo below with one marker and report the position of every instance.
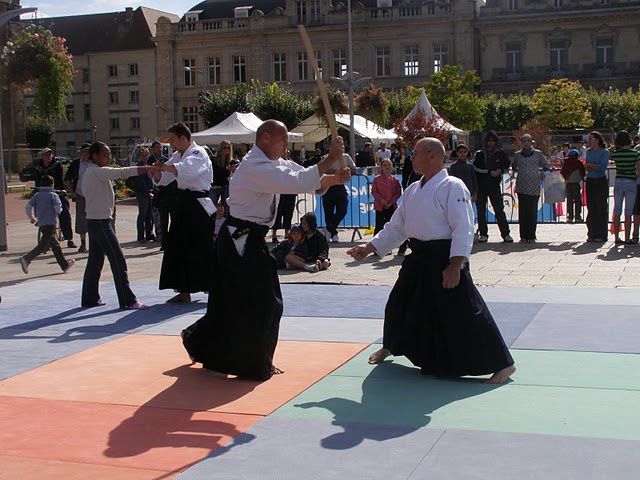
(132, 319)
(195, 390)
(390, 409)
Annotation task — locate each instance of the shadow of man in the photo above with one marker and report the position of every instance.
(396, 401)
(154, 426)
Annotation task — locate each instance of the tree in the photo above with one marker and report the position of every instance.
(39, 132)
(217, 105)
(452, 92)
(417, 127)
(615, 109)
(506, 113)
(401, 102)
(562, 103)
(280, 103)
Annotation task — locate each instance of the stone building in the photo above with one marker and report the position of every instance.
(115, 98)
(522, 44)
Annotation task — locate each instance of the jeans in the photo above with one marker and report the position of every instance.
(574, 201)
(528, 215)
(144, 221)
(598, 205)
(48, 239)
(624, 190)
(491, 192)
(335, 203)
(103, 241)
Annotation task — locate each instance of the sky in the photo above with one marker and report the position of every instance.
(58, 8)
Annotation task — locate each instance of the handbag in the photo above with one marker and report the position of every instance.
(554, 188)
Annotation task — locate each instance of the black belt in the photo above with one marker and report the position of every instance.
(243, 227)
(193, 194)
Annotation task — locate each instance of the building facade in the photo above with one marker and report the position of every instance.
(115, 97)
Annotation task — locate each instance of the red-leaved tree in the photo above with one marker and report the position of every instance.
(412, 130)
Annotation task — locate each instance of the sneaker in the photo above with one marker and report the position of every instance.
(326, 233)
(70, 244)
(335, 239)
(311, 267)
(138, 306)
(507, 239)
(483, 239)
(70, 264)
(24, 264)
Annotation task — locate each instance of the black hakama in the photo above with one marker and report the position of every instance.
(188, 264)
(239, 333)
(445, 332)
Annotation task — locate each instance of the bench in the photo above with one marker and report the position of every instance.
(16, 188)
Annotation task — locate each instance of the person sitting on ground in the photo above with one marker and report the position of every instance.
(47, 205)
(316, 241)
(293, 252)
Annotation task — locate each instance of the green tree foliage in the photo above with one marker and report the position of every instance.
(401, 102)
(615, 109)
(562, 103)
(452, 92)
(217, 105)
(39, 132)
(506, 113)
(275, 101)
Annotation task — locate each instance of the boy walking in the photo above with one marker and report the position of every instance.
(47, 206)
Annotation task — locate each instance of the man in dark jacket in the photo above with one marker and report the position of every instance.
(164, 197)
(73, 180)
(52, 167)
(491, 163)
(143, 186)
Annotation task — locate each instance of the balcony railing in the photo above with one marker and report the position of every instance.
(207, 25)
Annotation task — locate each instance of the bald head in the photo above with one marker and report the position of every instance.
(430, 144)
(272, 138)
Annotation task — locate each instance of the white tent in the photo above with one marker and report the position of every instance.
(425, 105)
(315, 130)
(236, 128)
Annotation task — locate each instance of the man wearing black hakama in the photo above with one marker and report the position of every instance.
(239, 333)
(188, 264)
(435, 315)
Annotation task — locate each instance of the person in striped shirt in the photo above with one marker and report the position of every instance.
(624, 190)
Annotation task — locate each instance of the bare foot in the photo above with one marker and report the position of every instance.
(276, 371)
(379, 356)
(180, 298)
(502, 376)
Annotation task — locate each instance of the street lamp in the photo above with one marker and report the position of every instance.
(349, 82)
(4, 19)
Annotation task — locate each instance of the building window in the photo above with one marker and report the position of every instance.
(280, 67)
(134, 96)
(189, 64)
(190, 118)
(87, 112)
(114, 124)
(113, 98)
(315, 11)
(557, 3)
(440, 56)
(411, 63)
(383, 61)
(318, 54)
(604, 52)
(301, 12)
(135, 123)
(70, 112)
(303, 66)
(558, 53)
(514, 57)
(239, 69)
(133, 69)
(113, 71)
(339, 63)
(512, 4)
(85, 76)
(215, 70)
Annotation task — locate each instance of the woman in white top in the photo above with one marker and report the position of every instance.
(98, 192)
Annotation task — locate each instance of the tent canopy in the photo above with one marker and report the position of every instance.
(315, 130)
(236, 128)
(425, 105)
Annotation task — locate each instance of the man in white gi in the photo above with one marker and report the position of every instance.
(435, 316)
(189, 256)
(239, 333)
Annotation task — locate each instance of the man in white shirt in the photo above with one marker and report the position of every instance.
(382, 154)
(189, 255)
(435, 316)
(239, 333)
